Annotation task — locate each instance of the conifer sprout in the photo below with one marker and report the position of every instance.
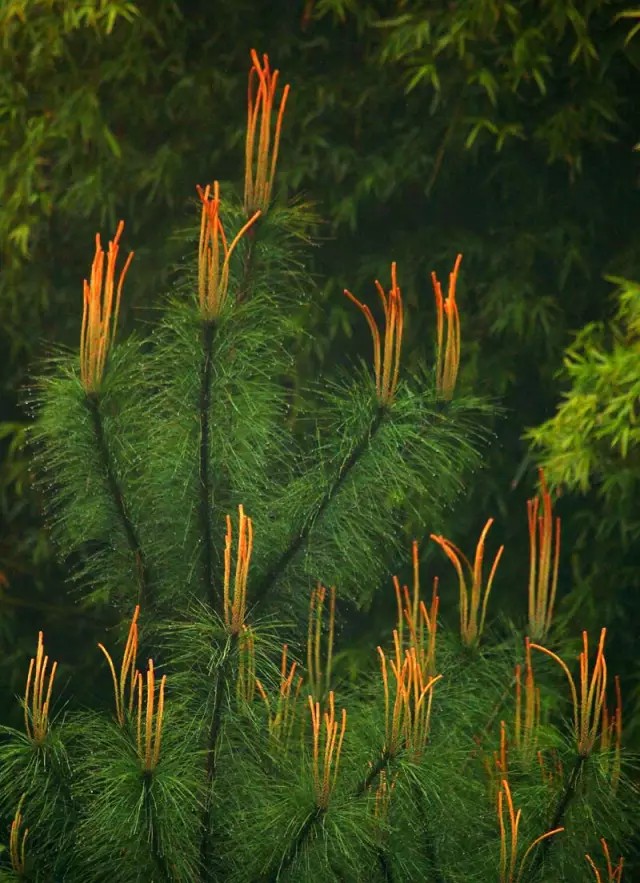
(182, 503)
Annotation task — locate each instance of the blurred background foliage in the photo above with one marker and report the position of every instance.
(501, 130)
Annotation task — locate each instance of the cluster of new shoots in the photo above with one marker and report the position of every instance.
(281, 721)
(447, 362)
(422, 623)
(100, 314)
(17, 846)
(235, 610)
(527, 721)
(325, 768)
(587, 709)
(408, 724)
(127, 669)
(214, 254)
(148, 743)
(611, 874)
(473, 601)
(509, 823)
(384, 792)
(36, 706)
(386, 359)
(314, 637)
(261, 149)
(542, 584)
(611, 736)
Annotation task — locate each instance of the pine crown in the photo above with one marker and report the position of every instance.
(247, 759)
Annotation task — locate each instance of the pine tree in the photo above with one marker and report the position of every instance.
(181, 498)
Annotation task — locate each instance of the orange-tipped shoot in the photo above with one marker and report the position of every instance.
(17, 846)
(325, 769)
(542, 585)
(509, 824)
(127, 668)
(148, 742)
(261, 147)
(473, 601)
(100, 313)
(235, 611)
(314, 636)
(214, 254)
(386, 358)
(613, 874)
(447, 362)
(587, 709)
(36, 706)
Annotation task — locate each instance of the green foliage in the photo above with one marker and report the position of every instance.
(122, 124)
(594, 437)
(142, 476)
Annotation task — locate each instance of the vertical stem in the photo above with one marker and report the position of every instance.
(558, 817)
(332, 491)
(159, 858)
(214, 732)
(108, 466)
(208, 334)
(429, 846)
(248, 264)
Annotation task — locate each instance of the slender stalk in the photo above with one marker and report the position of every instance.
(381, 764)
(429, 846)
(108, 466)
(385, 866)
(298, 541)
(295, 846)
(248, 266)
(564, 800)
(159, 858)
(208, 334)
(316, 816)
(212, 743)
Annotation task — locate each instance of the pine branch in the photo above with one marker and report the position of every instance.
(385, 866)
(248, 265)
(295, 846)
(565, 799)
(288, 555)
(133, 541)
(212, 746)
(159, 859)
(381, 764)
(208, 334)
(429, 845)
